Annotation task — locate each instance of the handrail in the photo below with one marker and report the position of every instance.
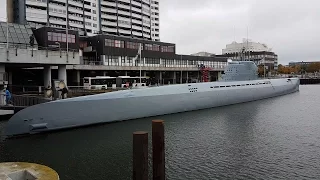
(23, 100)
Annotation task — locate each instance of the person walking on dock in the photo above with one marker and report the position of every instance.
(8, 96)
(64, 92)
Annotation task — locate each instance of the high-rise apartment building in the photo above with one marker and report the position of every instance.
(155, 20)
(131, 18)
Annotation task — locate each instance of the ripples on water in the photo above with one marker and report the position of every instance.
(277, 138)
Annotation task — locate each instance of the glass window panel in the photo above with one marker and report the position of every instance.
(54, 38)
(24, 31)
(22, 41)
(18, 31)
(26, 36)
(11, 29)
(26, 40)
(3, 29)
(4, 25)
(3, 39)
(10, 40)
(64, 38)
(15, 40)
(29, 31)
(14, 34)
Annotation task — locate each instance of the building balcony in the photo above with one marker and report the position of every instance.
(124, 31)
(76, 24)
(105, 16)
(146, 1)
(137, 27)
(136, 16)
(76, 10)
(57, 21)
(146, 35)
(124, 6)
(106, 3)
(109, 29)
(62, 1)
(126, 1)
(108, 23)
(124, 25)
(75, 3)
(37, 17)
(36, 3)
(136, 21)
(136, 9)
(104, 9)
(136, 3)
(73, 17)
(136, 33)
(124, 13)
(57, 14)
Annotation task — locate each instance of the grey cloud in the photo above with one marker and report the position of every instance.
(289, 27)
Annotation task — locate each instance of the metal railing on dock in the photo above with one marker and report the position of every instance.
(25, 100)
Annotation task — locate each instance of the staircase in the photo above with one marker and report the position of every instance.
(205, 71)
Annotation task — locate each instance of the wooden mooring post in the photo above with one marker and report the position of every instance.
(140, 153)
(158, 154)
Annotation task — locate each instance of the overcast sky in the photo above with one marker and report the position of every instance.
(290, 27)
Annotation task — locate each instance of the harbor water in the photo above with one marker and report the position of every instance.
(276, 138)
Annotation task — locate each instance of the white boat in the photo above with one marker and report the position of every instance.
(239, 84)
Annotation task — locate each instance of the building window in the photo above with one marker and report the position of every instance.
(152, 47)
(119, 44)
(132, 45)
(114, 43)
(148, 47)
(167, 48)
(61, 37)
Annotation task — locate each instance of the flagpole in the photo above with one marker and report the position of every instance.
(264, 67)
(7, 33)
(140, 62)
(7, 38)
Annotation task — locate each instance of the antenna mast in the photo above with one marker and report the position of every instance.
(248, 43)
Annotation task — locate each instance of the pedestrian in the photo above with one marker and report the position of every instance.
(63, 92)
(8, 96)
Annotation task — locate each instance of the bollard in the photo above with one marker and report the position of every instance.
(140, 155)
(158, 154)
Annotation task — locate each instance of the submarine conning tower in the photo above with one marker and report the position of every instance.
(240, 71)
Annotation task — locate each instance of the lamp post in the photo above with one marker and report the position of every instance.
(59, 47)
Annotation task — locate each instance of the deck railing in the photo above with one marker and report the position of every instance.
(23, 100)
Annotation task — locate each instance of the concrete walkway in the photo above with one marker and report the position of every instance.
(6, 112)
